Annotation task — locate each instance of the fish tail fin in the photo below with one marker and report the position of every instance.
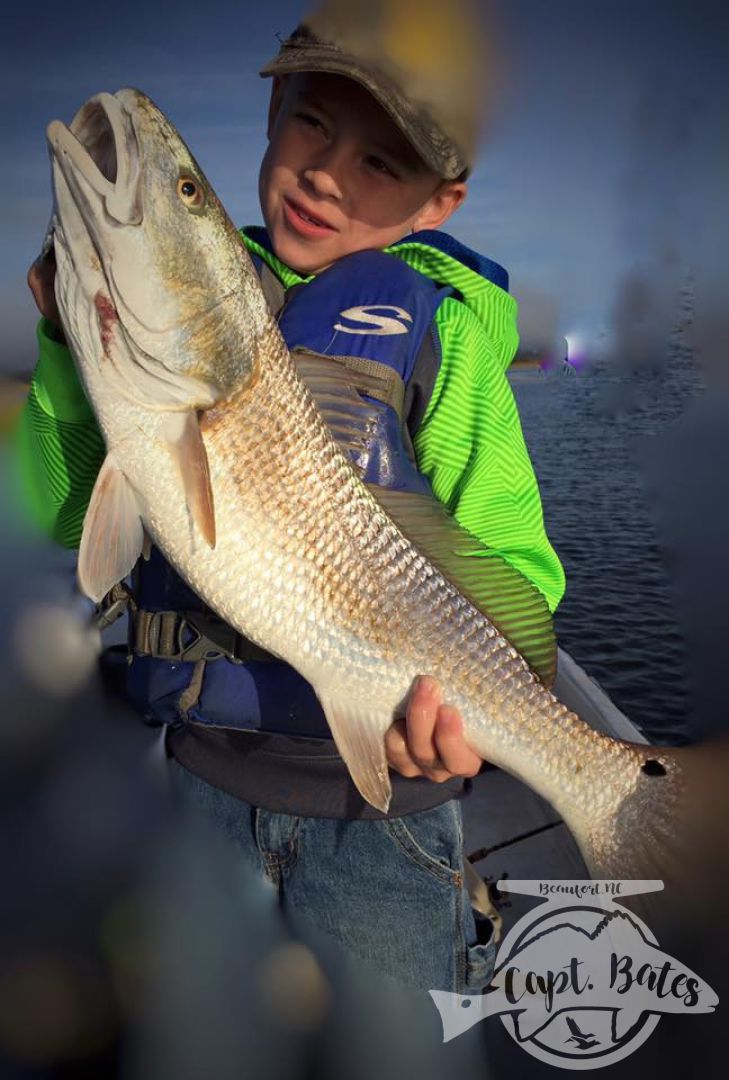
(671, 826)
(637, 836)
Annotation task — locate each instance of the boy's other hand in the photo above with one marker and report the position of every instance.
(429, 740)
(41, 281)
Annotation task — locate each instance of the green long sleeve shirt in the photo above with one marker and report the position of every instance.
(469, 444)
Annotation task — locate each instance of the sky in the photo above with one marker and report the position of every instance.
(603, 165)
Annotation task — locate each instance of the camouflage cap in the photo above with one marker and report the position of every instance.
(421, 59)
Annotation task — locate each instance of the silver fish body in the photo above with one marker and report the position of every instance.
(258, 506)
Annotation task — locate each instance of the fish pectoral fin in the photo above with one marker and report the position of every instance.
(112, 536)
(182, 431)
(359, 733)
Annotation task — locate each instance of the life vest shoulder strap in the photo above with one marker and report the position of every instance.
(370, 378)
(370, 306)
(273, 288)
(374, 315)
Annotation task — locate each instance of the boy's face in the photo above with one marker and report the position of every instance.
(338, 175)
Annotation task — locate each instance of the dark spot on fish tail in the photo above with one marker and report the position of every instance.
(107, 317)
(651, 767)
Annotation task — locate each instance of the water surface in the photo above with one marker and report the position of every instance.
(587, 434)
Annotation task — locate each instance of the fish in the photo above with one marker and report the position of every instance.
(234, 456)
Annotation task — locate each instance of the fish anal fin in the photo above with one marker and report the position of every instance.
(501, 592)
(187, 446)
(112, 536)
(359, 734)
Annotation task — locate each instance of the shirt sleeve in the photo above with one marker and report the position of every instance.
(471, 447)
(60, 447)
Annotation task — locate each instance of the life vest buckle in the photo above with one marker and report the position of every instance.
(116, 602)
(214, 639)
(190, 636)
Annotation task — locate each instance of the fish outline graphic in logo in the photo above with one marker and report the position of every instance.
(375, 323)
(580, 981)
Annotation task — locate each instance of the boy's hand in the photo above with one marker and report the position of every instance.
(41, 280)
(429, 741)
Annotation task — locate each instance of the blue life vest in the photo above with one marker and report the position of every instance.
(369, 305)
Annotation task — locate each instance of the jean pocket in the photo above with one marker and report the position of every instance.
(480, 960)
(433, 840)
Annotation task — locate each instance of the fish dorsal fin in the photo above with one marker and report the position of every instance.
(182, 431)
(501, 592)
(112, 536)
(507, 598)
(336, 392)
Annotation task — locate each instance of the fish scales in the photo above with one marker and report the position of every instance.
(217, 447)
(355, 596)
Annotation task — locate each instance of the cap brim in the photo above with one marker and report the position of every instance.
(438, 153)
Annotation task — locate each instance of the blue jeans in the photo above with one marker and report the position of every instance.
(390, 892)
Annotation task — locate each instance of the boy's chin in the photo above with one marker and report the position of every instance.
(300, 258)
(307, 257)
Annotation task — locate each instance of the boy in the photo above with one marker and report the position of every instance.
(366, 157)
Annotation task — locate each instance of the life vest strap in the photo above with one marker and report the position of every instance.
(388, 388)
(273, 289)
(190, 636)
(117, 601)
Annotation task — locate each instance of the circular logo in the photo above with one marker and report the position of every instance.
(580, 981)
(578, 1036)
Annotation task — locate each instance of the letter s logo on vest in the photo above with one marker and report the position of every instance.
(374, 323)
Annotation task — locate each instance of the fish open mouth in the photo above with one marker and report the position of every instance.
(92, 128)
(100, 147)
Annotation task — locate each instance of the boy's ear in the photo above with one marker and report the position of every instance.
(442, 203)
(274, 105)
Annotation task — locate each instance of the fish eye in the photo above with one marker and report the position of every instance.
(191, 192)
